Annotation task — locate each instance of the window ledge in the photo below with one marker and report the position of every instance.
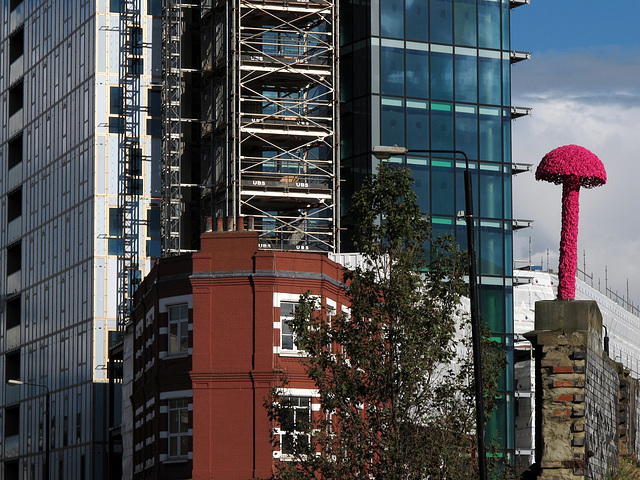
(171, 356)
(176, 460)
(288, 353)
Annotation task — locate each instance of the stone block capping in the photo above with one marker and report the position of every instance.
(586, 415)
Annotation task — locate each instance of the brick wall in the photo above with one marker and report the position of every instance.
(586, 412)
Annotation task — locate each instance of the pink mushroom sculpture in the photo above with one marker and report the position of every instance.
(573, 167)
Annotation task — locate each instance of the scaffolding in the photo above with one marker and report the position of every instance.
(129, 156)
(271, 121)
(180, 159)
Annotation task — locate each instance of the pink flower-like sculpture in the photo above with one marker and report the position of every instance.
(573, 167)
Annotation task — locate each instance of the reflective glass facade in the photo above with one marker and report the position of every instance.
(59, 95)
(435, 74)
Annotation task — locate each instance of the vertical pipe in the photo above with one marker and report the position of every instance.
(475, 326)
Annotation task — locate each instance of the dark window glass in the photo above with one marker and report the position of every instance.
(441, 76)
(506, 135)
(466, 78)
(492, 307)
(153, 223)
(488, 24)
(460, 194)
(392, 71)
(115, 222)
(392, 121)
(154, 248)
(115, 100)
(154, 7)
(441, 126)
(508, 258)
(154, 101)
(135, 66)
(346, 77)
(442, 192)
(506, 178)
(491, 252)
(417, 124)
(489, 72)
(490, 134)
(361, 117)
(135, 159)
(506, 82)
(420, 170)
(116, 246)
(417, 20)
(392, 18)
(491, 191)
(467, 130)
(417, 73)
(465, 22)
(441, 21)
(115, 6)
(136, 40)
(154, 127)
(116, 124)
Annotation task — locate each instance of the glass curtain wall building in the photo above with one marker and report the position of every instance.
(62, 116)
(435, 74)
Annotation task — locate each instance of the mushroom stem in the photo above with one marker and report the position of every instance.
(568, 263)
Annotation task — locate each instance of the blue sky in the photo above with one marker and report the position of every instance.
(565, 25)
(583, 83)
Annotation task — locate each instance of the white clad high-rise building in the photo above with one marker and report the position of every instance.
(80, 145)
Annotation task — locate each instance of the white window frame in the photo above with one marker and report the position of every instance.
(178, 428)
(288, 455)
(178, 328)
(283, 324)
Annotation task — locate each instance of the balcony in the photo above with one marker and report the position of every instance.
(14, 282)
(16, 70)
(14, 229)
(11, 444)
(16, 17)
(15, 123)
(13, 338)
(14, 177)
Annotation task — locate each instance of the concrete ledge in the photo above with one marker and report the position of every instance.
(568, 315)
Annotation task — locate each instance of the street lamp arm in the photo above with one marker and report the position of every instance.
(384, 152)
(13, 381)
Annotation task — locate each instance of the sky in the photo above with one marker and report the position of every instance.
(583, 85)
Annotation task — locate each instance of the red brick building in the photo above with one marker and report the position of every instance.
(209, 331)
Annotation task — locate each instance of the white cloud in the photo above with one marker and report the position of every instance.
(602, 114)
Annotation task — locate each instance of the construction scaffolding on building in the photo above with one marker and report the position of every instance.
(129, 156)
(181, 185)
(270, 128)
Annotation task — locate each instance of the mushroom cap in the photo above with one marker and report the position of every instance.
(572, 161)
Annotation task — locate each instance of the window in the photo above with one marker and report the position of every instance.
(295, 422)
(178, 329)
(287, 338)
(179, 427)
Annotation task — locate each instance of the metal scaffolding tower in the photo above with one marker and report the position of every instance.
(271, 128)
(129, 156)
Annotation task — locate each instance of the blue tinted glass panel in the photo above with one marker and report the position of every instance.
(505, 26)
(417, 73)
(465, 22)
(490, 134)
(506, 135)
(441, 21)
(153, 248)
(467, 130)
(153, 223)
(489, 72)
(391, 18)
(506, 82)
(441, 126)
(461, 203)
(441, 76)
(492, 307)
(420, 170)
(116, 246)
(491, 251)
(507, 192)
(466, 79)
(442, 192)
(392, 71)
(491, 191)
(392, 121)
(417, 20)
(508, 251)
(489, 24)
(116, 124)
(115, 222)
(115, 100)
(417, 124)
(442, 227)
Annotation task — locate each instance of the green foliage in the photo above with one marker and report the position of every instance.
(397, 397)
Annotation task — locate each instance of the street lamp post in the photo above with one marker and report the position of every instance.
(384, 153)
(46, 420)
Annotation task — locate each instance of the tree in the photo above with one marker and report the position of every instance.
(397, 402)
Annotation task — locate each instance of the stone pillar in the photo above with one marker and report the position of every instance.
(565, 330)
